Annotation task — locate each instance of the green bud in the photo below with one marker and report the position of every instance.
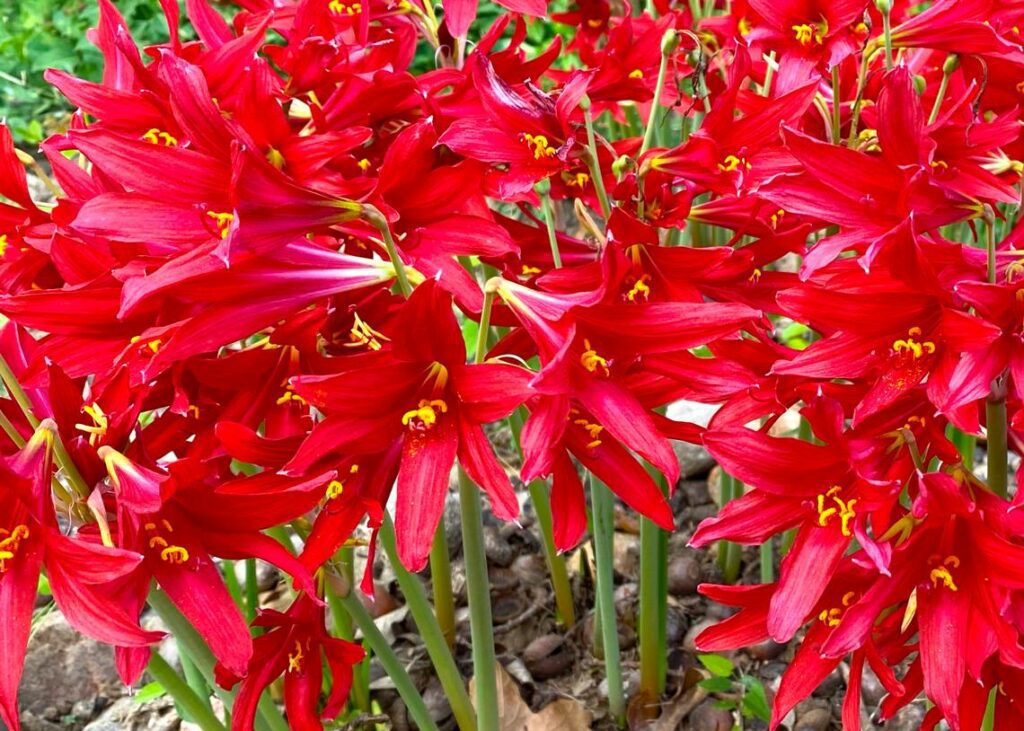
(669, 42)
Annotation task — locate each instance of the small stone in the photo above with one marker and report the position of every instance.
(767, 650)
(626, 556)
(499, 551)
(676, 625)
(706, 717)
(436, 701)
(684, 574)
(813, 719)
(547, 656)
(691, 635)
(694, 492)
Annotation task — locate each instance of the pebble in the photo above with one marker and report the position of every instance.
(547, 656)
(684, 574)
(706, 717)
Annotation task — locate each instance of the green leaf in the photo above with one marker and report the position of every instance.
(716, 685)
(717, 665)
(148, 692)
(44, 586)
(755, 702)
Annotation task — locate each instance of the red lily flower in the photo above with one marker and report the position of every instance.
(79, 572)
(426, 399)
(296, 646)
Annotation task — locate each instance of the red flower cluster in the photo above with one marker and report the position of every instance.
(213, 287)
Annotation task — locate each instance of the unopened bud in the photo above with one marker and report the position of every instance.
(952, 64)
(622, 165)
(669, 42)
(884, 6)
(920, 84)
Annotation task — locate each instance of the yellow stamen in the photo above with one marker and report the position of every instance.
(295, 658)
(844, 509)
(731, 162)
(159, 137)
(594, 430)
(174, 554)
(339, 8)
(424, 416)
(539, 146)
(913, 347)
(591, 360)
(640, 289)
(363, 334)
(98, 429)
(222, 221)
(636, 74)
(941, 574)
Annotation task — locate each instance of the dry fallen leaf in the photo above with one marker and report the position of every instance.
(565, 714)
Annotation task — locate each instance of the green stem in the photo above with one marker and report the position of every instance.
(947, 70)
(730, 553)
(995, 413)
(603, 510)
(988, 721)
(479, 594)
(11, 431)
(556, 564)
(192, 706)
(231, 579)
(836, 107)
(887, 32)
(651, 643)
(252, 590)
(349, 603)
(480, 353)
(859, 97)
(269, 717)
(17, 392)
(767, 562)
(652, 118)
(194, 678)
(378, 221)
(433, 638)
(965, 444)
(594, 162)
(549, 222)
(441, 583)
(768, 74)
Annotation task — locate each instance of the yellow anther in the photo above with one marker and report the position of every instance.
(844, 509)
(539, 146)
(591, 360)
(529, 271)
(807, 34)
(158, 541)
(636, 74)
(335, 488)
(939, 165)
(98, 429)
(222, 221)
(641, 289)
(339, 8)
(731, 162)
(575, 180)
(3, 244)
(295, 658)
(593, 430)
(364, 164)
(755, 276)
(848, 598)
(174, 554)
(861, 28)
(290, 395)
(193, 409)
(150, 526)
(362, 334)
(941, 574)
(777, 217)
(159, 137)
(913, 347)
(744, 27)
(831, 617)
(424, 416)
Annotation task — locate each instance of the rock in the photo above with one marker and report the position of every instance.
(62, 664)
(871, 688)
(547, 656)
(675, 626)
(814, 718)
(684, 574)
(626, 555)
(127, 714)
(693, 459)
(30, 722)
(694, 492)
(706, 717)
(499, 551)
(909, 718)
(691, 635)
(767, 650)
(436, 702)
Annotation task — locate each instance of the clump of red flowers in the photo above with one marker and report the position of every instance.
(248, 309)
